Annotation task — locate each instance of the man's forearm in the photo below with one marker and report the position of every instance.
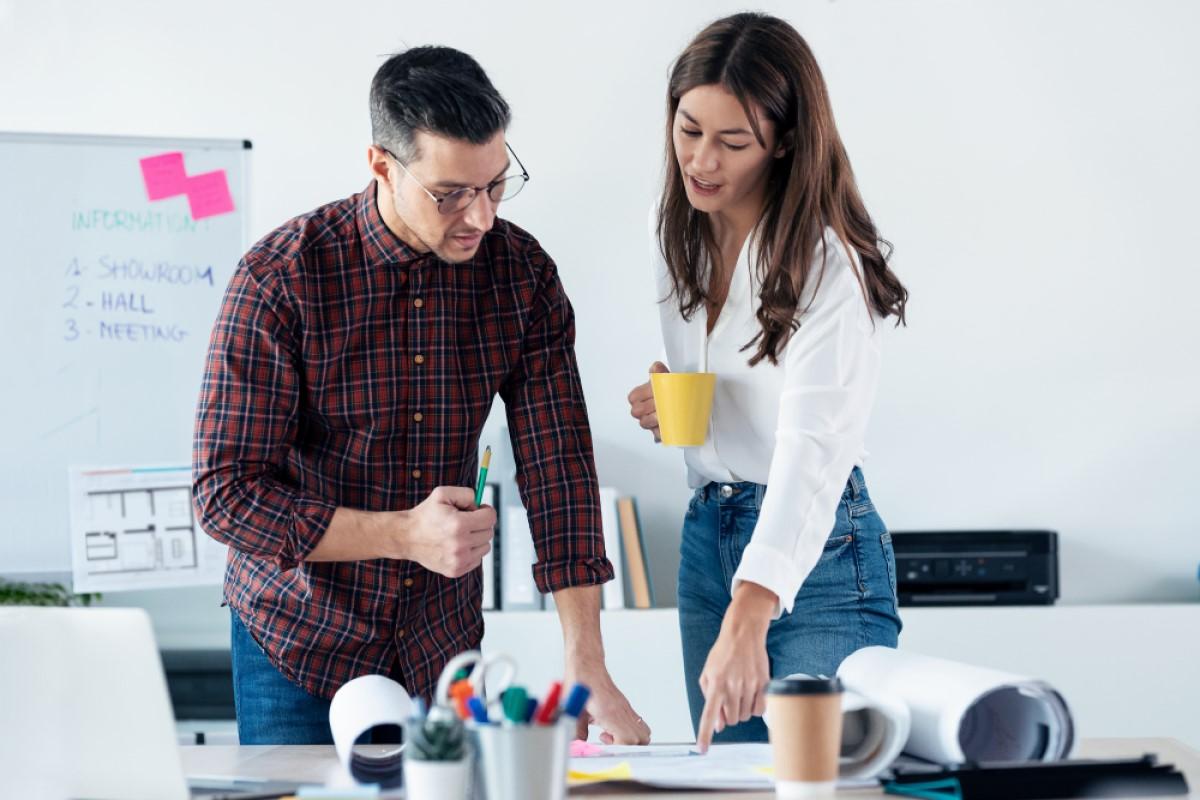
(579, 614)
(361, 535)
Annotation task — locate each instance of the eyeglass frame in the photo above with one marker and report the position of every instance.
(524, 175)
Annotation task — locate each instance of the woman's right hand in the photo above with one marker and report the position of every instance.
(641, 403)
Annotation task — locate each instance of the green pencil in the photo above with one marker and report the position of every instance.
(483, 468)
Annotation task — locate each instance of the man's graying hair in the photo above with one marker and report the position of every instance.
(438, 90)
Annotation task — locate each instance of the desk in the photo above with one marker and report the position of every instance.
(319, 764)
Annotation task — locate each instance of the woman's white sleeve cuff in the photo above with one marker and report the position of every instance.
(772, 569)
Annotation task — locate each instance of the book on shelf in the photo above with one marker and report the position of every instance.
(508, 583)
(640, 585)
(613, 593)
(517, 556)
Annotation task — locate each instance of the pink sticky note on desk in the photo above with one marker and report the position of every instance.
(164, 175)
(582, 749)
(208, 194)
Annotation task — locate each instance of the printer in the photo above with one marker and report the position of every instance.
(972, 568)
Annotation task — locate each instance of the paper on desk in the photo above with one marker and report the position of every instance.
(724, 766)
(932, 708)
(961, 712)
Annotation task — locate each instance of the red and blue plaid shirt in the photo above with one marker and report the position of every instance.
(347, 369)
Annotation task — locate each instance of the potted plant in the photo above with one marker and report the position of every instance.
(435, 759)
(13, 593)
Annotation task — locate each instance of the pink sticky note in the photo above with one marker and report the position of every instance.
(164, 175)
(582, 749)
(208, 194)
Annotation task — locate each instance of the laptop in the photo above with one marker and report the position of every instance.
(84, 710)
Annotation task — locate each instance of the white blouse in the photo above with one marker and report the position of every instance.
(798, 426)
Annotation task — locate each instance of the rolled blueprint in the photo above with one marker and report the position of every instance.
(962, 712)
(360, 705)
(874, 730)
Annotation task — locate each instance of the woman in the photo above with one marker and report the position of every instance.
(773, 278)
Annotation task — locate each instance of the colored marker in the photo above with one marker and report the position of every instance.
(516, 703)
(576, 700)
(460, 691)
(549, 709)
(477, 710)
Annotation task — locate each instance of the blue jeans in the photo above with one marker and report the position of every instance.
(270, 708)
(846, 603)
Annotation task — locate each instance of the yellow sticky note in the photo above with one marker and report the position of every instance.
(621, 772)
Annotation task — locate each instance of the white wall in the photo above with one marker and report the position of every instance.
(1033, 162)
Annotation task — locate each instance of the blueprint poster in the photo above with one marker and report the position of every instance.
(134, 528)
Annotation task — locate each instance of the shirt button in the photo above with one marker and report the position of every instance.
(400, 633)
(420, 359)
(726, 491)
(418, 302)
(416, 473)
(417, 417)
(408, 582)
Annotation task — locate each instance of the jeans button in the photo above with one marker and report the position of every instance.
(726, 491)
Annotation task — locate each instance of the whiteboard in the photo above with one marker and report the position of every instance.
(108, 301)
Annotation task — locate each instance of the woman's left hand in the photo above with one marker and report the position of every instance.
(736, 673)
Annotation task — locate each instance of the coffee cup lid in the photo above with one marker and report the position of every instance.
(805, 686)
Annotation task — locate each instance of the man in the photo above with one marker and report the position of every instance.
(350, 372)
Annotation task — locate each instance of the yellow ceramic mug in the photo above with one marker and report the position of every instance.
(683, 401)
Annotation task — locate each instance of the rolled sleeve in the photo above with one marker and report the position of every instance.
(832, 367)
(246, 422)
(552, 444)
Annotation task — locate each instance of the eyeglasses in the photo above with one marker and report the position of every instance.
(500, 189)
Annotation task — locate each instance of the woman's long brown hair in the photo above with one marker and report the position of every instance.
(764, 62)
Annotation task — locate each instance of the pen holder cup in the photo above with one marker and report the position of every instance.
(525, 761)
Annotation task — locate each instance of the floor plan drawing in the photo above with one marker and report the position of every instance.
(133, 527)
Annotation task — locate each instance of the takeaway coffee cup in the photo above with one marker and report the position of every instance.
(806, 735)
